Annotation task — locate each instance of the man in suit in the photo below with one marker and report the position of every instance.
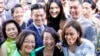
(3, 17)
(37, 14)
(89, 29)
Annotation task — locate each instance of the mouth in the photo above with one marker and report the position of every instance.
(54, 13)
(29, 48)
(49, 45)
(13, 34)
(70, 40)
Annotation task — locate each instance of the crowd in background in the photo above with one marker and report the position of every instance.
(49, 27)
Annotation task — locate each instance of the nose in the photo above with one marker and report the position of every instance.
(30, 44)
(39, 17)
(11, 31)
(72, 9)
(49, 41)
(54, 10)
(68, 36)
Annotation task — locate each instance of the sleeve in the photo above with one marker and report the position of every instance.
(90, 51)
(91, 34)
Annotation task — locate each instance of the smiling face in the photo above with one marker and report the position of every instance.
(18, 14)
(28, 44)
(1, 6)
(75, 9)
(48, 41)
(71, 35)
(54, 10)
(11, 30)
(38, 16)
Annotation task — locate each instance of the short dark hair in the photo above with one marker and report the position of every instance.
(37, 6)
(80, 1)
(16, 6)
(61, 14)
(52, 32)
(93, 4)
(21, 37)
(5, 23)
(77, 27)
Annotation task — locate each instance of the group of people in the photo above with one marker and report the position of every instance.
(57, 28)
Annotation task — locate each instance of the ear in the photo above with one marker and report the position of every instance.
(78, 34)
(31, 14)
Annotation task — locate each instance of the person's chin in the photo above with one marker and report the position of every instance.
(49, 48)
(28, 51)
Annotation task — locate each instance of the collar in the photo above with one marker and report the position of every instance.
(3, 13)
(42, 27)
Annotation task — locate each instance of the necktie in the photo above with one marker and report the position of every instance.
(40, 30)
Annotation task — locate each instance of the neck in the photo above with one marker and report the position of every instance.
(20, 23)
(89, 17)
(49, 50)
(72, 48)
(24, 54)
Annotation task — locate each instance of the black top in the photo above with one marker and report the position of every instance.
(54, 23)
(23, 26)
(56, 52)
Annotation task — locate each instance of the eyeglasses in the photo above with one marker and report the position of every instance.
(29, 42)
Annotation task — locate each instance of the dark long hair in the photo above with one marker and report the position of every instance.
(61, 14)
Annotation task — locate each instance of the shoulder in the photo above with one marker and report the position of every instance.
(8, 15)
(88, 22)
(39, 52)
(3, 50)
(16, 53)
(58, 52)
(31, 26)
(87, 43)
(4, 44)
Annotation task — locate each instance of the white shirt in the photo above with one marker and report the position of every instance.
(42, 27)
(71, 53)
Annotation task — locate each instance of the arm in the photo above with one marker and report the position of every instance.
(90, 51)
(91, 34)
(3, 51)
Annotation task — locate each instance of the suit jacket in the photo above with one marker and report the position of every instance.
(8, 15)
(56, 52)
(39, 41)
(89, 29)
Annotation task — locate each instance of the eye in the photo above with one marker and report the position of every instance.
(26, 41)
(71, 34)
(8, 29)
(36, 15)
(45, 39)
(32, 41)
(13, 28)
(66, 33)
(51, 7)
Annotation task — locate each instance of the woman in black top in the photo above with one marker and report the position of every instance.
(55, 14)
(50, 38)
